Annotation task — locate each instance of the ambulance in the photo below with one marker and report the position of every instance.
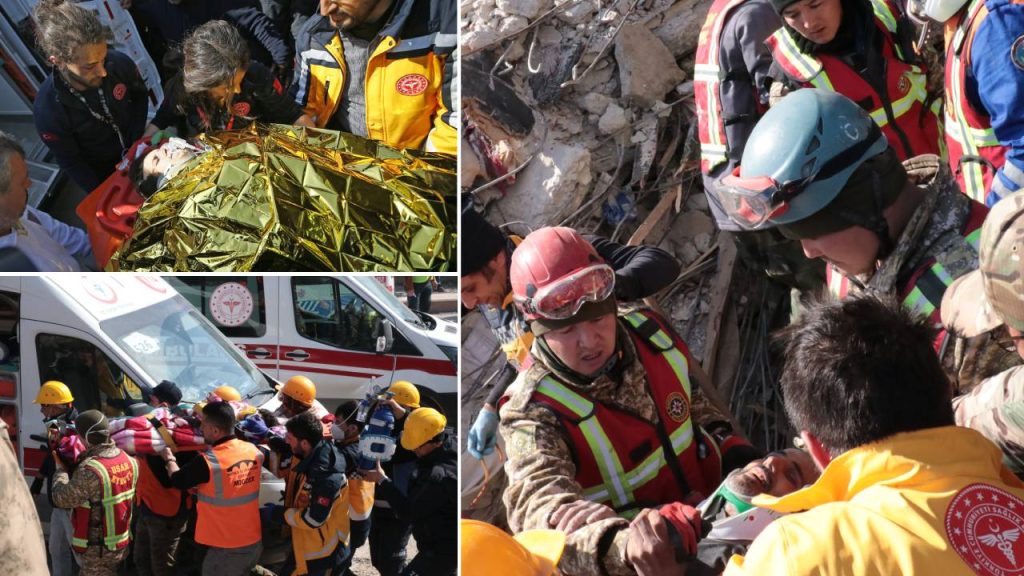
(111, 338)
(343, 332)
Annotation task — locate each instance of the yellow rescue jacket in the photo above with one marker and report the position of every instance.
(304, 500)
(935, 501)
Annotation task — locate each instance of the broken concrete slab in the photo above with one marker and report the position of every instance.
(554, 184)
(613, 119)
(647, 69)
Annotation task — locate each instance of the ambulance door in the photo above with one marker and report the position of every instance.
(242, 308)
(333, 338)
(11, 402)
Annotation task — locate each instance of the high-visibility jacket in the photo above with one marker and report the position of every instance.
(160, 500)
(316, 508)
(926, 285)
(118, 477)
(933, 501)
(975, 153)
(228, 506)
(646, 464)
(911, 128)
(707, 78)
(360, 499)
(409, 76)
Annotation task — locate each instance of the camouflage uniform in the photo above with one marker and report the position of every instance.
(541, 468)
(21, 536)
(84, 486)
(996, 409)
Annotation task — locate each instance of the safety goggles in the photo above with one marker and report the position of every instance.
(562, 299)
(753, 201)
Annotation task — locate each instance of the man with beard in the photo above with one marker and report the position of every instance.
(93, 106)
(381, 69)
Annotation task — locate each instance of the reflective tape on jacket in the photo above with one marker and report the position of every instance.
(975, 153)
(620, 458)
(228, 504)
(906, 86)
(117, 477)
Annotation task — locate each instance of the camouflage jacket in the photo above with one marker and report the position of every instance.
(996, 409)
(21, 536)
(541, 469)
(84, 486)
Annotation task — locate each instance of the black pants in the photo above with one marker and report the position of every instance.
(389, 536)
(420, 297)
(359, 530)
(428, 564)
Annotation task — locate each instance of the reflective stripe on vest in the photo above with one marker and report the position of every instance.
(228, 504)
(926, 295)
(964, 139)
(112, 539)
(707, 77)
(217, 498)
(619, 484)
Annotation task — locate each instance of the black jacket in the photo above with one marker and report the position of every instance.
(431, 504)
(86, 147)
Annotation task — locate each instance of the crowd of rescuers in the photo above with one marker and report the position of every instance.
(381, 69)
(609, 438)
(199, 512)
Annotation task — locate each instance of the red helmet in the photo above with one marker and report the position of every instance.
(555, 271)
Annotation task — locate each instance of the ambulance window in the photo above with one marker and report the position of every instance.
(96, 381)
(235, 304)
(328, 312)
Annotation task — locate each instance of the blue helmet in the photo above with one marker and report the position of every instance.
(799, 157)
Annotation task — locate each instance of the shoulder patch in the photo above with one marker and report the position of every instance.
(522, 441)
(984, 525)
(1017, 52)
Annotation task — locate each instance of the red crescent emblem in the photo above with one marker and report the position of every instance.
(985, 525)
(412, 84)
(241, 108)
(119, 91)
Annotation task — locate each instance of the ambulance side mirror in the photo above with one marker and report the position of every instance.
(386, 339)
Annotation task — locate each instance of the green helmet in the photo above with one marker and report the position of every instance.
(798, 158)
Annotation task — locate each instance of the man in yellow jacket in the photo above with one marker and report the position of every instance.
(903, 490)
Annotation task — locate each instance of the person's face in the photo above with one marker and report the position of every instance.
(851, 250)
(51, 411)
(163, 160)
(816, 20)
(1018, 340)
(223, 94)
(86, 70)
(348, 14)
(486, 287)
(778, 474)
(210, 432)
(300, 448)
(584, 347)
(15, 198)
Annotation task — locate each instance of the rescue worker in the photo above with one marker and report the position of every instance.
(93, 106)
(490, 551)
(227, 479)
(821, 170)
(22, 549)
(863, 50)
(51, 245)
(868, 395)
(163, 509)
(345, 431)
(382, 69)
(389, 533)
(418, 290)
(100, 495)
(992, 299)
(316, 499)
(227, 393)
(430, 501)
(984, 95)
(219, 88)
(606, 400)
(57, 405)
(640, 271)
(298, 395)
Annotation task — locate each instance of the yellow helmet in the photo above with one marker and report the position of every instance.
(406, 394)
(487, 550)
(54, 392)
(420, 426)
(228, 393)
(300, 389)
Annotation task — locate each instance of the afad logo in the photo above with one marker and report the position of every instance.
(412, 84)
(243, 472)
(984, 525)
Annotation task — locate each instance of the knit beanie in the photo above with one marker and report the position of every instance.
(481, 240)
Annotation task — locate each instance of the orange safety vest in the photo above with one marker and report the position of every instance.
(975, 153)
(906, 84)
(161, 501)
(117, 476)
(707, 79)
(228, 504)
(360, 499)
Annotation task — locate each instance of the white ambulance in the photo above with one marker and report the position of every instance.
(340, 331)
(111, 338)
